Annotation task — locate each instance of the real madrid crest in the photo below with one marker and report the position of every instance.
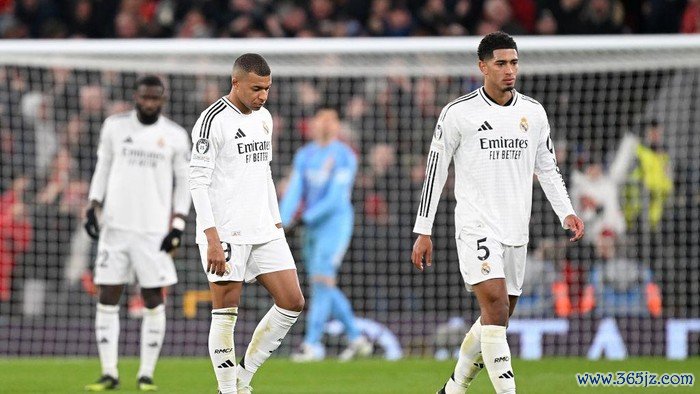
(485, 268)
(523, 124)
(266, 127)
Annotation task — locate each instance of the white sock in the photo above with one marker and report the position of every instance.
(152, 334)
(266, 339)
(221, 347)
(107, 334)
(470, 362)
(496, 354)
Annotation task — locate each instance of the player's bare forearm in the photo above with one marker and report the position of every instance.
(212, 236)
(422, 251)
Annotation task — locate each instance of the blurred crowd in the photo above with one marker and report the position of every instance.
(621, 181)
(621, 176)
(50, 123)
(622, 199)
(340, 18)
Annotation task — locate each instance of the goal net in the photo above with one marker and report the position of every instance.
(624, 112)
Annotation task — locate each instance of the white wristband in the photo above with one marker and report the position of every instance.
(178, 223)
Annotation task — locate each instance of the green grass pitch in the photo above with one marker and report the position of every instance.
(194, 375)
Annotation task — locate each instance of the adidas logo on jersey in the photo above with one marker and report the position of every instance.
(128, 140)
(239, 134)
(485, 126)
(227, 364)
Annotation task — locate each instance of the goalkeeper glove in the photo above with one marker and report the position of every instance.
(91, 225)
(171, 241)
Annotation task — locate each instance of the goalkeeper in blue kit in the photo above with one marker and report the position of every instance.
(321, 183)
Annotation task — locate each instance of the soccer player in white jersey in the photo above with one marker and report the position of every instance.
(239, 230)
(139, 156)
(498, 139)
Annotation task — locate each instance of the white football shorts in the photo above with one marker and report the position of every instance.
(482, 258)
(247, 262)
(124, 255)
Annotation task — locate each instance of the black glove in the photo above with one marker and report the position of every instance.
(171, 241)
(91, 225)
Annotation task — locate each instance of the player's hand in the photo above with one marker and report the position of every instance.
(290, 228)
(216, 260)
(171, 241)
(575, 224)
(422, 251)
(91, 225)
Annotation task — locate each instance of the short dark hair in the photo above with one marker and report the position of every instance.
(326, 107)
(252, 62)
(150, 80)
(494, 41)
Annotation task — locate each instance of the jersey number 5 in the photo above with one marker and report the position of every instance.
(479, 246)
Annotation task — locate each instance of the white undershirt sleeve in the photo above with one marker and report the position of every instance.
(98, 186)
(272, 199)
(181, 195)
(200, 178)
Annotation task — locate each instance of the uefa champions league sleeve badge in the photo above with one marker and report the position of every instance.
(438, 133)
(202, 146)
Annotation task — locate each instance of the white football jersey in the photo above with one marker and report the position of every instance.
(136, 167)
(496, 150)
(231, 156)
